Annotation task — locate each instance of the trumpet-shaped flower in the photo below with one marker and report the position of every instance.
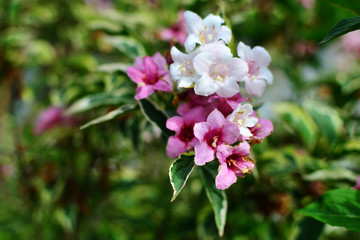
(176, 32)
(150, 74)
(262, 129)
(234, 162)
(184, 133)
(241, 116)
(212, 133)
(204, 31)
(258, 60)
(219, 71)
(182, 70)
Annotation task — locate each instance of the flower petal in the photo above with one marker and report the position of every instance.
(261, 56)
(222, 152)
(203, 154)
(228, 88)
(202, 62)
(193, 22)
(243, 51)
(200, 129)
(143, 92)
(135, 74)
(205, 86)
(238, 69)
(216, 120)
(230, 133)
(224, 34)
(175, 147)
(175, 124)
(160, 61)
(265, 73)
(225, 178)
(255, 87)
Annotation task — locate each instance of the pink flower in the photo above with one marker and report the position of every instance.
(233, 163)
(262, 129)
(53, 117)
(212, 133)
(150, 74)
(351, 42)
(176, 32)
(184, 131)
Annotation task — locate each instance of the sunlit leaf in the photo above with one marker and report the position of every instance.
(340, 207)
(344, 26)
(216, 197)
(327, 118)
(331, 174)
(110, 115)
(179, 173)
(127, 45)
(300, 121)
(113, 67)
(155, 115)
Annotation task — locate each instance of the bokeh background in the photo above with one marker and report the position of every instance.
(62, 64)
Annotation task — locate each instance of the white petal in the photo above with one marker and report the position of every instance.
(193, 22)
(224, 34)
(251, 121)
(191, 42)
(205, 86)
(243, 51)
(244, 131)
(175, 71)
(238, 69)
(177, 56)
(228, 88)
(265, 73)
(185, 82)
(261, 56)
(255, 87)
(202, 62)
(213, 21)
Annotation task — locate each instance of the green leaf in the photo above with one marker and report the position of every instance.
(155, 115)
(344, 26)
(113, 67)
(332, 174)
(216, 197)
(110, 115)
(100, 99)
(300, 121)
(309, 229)
(179, 173)
(349, 5)
(327, 118)
(340, 207)
(127, 45)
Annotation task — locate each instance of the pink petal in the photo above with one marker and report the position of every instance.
(203, 154)
(160, 61)
(231, 133)
(138, 63)
(261, 56)
(175, 123)
(222, 152)
(195, 115)
(243, 149)
(216, 120)
(200, 129)
(150, 68)
(225, 178)
(135, 74)
(143, 92)
(175, 147)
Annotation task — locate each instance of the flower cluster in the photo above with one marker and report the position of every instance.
(215, 121)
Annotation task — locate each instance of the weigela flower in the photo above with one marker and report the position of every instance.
(241, 116)
(53, 117)
(204, 31)
(219, 71)
(212, 133)
(150, 74)
(183, 126)
(234, 162)
(176, 32)
(262, 129)
(351, 42)
(182, 70)
(258, 60)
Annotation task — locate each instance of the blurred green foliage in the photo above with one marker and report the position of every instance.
(110, 180)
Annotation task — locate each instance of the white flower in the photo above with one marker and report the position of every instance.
(241, 117)
(204, 31)
(182, 70)
(258, 60)
(219, 71)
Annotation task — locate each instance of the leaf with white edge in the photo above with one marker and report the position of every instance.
(110, 115)
(155, 115)
(216, 197)
(127, 45)
(179, 173)
(344, 26)
(327, 118)
(113, 67)
(300, 121)
(100, 99)
(332, 174)
(340, 207)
